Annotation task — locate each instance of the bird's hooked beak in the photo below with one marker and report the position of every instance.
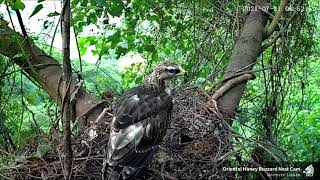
(182, 72)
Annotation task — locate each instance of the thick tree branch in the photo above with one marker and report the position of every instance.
(48, 71)
(230, 84)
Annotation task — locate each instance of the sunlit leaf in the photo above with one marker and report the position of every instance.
(18, 5)
(53, 14)
(36, 10)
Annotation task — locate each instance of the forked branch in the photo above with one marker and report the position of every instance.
(276, 18)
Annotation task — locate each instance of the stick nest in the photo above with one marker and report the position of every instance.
(195, 146)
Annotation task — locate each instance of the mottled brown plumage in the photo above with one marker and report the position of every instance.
(141, 118)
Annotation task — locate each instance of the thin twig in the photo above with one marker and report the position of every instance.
(23, 29)
(8, 10)
(54, 35)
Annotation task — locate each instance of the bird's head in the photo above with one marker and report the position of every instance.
(168, 70)
(165, 72)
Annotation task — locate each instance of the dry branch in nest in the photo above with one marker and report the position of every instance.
(195, 147)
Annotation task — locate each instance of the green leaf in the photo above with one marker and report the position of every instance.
(115, 38)
(115, 7)
(153, 17)
(150, 48)
(18, 5)
(53, 14)
(90, 7)
(31, 99)
(46, 24)
(36, 10)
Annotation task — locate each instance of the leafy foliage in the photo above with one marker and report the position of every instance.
(281, 104)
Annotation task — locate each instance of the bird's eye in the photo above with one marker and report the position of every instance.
(174, 71)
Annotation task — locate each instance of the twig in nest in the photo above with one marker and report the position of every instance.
(163, 174)
(5, 177)
(101, 116)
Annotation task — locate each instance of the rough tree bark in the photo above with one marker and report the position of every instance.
(46, 71)
(243, 58)
(67, 108)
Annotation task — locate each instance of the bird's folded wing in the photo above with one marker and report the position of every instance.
(138, 126)
(139, 104)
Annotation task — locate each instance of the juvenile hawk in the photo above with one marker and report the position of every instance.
(142, 116)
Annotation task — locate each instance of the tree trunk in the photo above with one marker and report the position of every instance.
(243, 58)
(46, 71)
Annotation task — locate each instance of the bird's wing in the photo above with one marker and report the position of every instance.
(139, 104)
(138, 126)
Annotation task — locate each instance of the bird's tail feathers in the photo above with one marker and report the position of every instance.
(130, 172)
(121, 173)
